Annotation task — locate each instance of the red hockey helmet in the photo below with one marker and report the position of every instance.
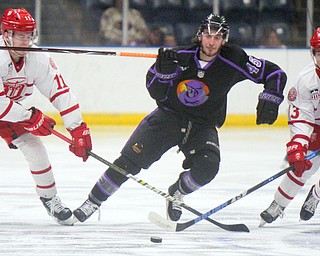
(315, 40)
(17, 20)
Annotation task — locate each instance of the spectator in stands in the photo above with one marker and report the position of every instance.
(271, 39)
(161, 36)
(156, 36)
(170, 40)
(111, 27)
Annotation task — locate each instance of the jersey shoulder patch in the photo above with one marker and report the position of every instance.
(292, 94)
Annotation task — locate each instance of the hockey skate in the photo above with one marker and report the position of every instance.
(173, 209)
(271, 213)
(309, 206)
(85, 211)
(59, 212)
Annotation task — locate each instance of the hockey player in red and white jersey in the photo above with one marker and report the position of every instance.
(304, 124)
(21, 72)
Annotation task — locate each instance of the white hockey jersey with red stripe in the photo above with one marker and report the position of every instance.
(304, 109)
(18, 82)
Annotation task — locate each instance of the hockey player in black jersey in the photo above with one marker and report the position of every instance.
(190, 86)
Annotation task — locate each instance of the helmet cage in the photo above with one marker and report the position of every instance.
(215, 23)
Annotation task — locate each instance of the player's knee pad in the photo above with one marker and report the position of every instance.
(33, 151)
(126, 164)
(205, 166)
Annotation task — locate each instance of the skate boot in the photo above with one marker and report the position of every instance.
(85, 210)
(174, 210)
(59, 212)
(309, 207)
(271, 213)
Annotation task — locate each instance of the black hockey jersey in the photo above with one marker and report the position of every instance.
(199, 94)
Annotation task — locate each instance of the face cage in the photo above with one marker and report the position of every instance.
(33, 40)
(219, 29)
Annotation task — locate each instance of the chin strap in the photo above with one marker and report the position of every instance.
(315, 62)
(17, 54)
(318, 70)
(10, 44)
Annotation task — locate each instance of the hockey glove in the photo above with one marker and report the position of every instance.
(38, 124)
(187, 163)
(81, 141)
(296, 153)
(166, 64)
(268, 106)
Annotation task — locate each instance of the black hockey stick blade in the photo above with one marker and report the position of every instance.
(176, 227)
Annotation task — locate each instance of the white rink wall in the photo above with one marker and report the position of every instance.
(116, 84)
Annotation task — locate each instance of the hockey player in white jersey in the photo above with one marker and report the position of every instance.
(304, 124)
(21, 72)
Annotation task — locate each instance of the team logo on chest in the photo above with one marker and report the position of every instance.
(192, 92)
(14, 87)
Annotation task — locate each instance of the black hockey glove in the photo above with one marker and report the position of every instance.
(166, 64)
(268, 107)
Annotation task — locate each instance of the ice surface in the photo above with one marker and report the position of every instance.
(248, 157)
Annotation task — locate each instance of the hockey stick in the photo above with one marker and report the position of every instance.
(80, 51)
(231, 227)
(169, 225)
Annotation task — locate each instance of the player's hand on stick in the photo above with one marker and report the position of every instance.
(38, 124)
(166, 62)
(296, 157)
(268, 107)
(81, 141)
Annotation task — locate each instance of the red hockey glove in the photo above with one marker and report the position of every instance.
(296, 153)
(81, 141)
(38, 124)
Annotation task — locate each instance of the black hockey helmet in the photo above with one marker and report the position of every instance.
(216, 23)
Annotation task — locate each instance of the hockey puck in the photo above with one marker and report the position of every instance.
(156, 239)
